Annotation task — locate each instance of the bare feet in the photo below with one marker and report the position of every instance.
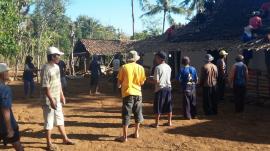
(154, 125)
(136, 135)
(51, 147)
(121, 139)
(68, 142)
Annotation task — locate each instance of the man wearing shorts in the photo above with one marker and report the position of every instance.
(54, 97)
(9, 130)
(130, 78)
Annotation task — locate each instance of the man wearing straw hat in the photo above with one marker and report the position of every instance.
(9, 130)
(222, 73)
(54, 97)
(209, 74)
(238, 80)
(131, 77)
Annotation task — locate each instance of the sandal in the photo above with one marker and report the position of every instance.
(121, 139)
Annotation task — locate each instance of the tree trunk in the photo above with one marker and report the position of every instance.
(164, 19)
(38, 54)
(72, 52)
(16, 67)
(133, 20)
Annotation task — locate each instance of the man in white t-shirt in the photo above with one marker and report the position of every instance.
(162, 80)
(54, 97)
(116, 67)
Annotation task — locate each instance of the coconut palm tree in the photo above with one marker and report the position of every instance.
(194, 5)
(167, 7)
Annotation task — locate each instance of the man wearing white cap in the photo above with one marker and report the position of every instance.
(9, 130)
(222, 73)
(54, 97)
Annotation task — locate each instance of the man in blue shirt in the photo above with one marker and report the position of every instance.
(238, 80)
(9, 130)
(188, 78)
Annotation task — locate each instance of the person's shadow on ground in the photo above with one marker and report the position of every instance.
(231, 130)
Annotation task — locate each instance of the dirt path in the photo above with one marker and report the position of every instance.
(94, 123)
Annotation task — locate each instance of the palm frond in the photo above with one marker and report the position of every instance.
(185, 3)
(177, 10)
(170, 19)
(144, 4)
(155, 10)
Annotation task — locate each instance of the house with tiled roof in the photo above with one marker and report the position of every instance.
(221, 30)
(105, 49)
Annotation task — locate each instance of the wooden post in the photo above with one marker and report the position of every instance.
(72, 35)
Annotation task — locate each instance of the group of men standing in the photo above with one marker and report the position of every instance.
(131, 76)
(213, 79)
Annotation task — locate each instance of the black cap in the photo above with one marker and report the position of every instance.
(162, 55)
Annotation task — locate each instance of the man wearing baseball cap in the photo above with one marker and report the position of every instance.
(54, 97)
(162, 81)
(9, 130)
(222, 73)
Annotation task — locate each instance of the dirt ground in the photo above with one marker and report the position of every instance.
(94, 123)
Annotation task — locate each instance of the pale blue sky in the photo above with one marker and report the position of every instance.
(111, 12)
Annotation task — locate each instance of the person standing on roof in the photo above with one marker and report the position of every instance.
(170, 32)
(256, 22)
(265, 9)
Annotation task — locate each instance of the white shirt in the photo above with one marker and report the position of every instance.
(163, 76)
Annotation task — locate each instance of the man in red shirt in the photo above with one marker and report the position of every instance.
(255, 21)
(169, 32)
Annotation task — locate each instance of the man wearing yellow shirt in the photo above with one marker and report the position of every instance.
(131, 77)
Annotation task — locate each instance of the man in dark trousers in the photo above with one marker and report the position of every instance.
(188, 78)
(209, 75)
(238, 79)
(9, 129)
(163, 96)
(95, 75)
(222, 73)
